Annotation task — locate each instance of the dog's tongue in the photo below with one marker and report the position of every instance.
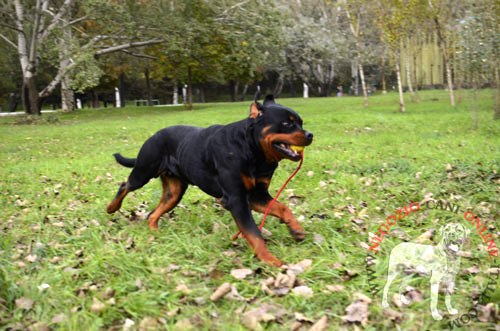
(297, 149)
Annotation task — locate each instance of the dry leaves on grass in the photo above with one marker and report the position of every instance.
(263, 314)
(241, 273)
(283, 283)
(24, 303)
(357, 311)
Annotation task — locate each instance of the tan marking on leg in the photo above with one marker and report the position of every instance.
(284, 213)
(172, 193)
(116, 203)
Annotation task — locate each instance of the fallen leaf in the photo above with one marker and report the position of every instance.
(108, 293)
(285, 280)
(471, 270)
(318, 239)
(303, 291)
(24, 303)
(241, 273)
(335, 288)
(43, 287)
(486, 312)
(148, 323)
(234, 295)
(183, 324)
(97, 306)
(221, 291)
(301, 318)
(128, 325)
(413, 294)
(264, 313)
(320, 325)
(59, 318)
(300, 267)
(393, 315)
(358, 310)
(183, 289)
(39, 326)
(31, 258)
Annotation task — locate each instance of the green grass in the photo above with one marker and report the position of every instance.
(57, 175)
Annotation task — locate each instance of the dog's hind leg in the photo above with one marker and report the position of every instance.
(173, 190)
(137, 179)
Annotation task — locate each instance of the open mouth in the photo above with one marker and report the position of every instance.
(291, 152)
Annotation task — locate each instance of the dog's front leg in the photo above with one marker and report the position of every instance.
(434, 297)
(240, 209)
(260, 200)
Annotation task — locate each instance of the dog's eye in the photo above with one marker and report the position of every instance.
(287, 124)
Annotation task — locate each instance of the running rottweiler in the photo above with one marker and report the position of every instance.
(233, 163)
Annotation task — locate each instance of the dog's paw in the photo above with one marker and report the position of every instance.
(298, 235)
(437, 316)
(452, 311)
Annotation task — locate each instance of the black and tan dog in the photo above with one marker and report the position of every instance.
(234, 163)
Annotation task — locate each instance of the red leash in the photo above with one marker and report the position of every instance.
(270, 205)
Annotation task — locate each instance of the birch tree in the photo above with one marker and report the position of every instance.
(31, 27)
(355, 11)
(442, 15)
(390, 20)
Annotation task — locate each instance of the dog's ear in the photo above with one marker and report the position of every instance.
(255, 110)
(269, 100)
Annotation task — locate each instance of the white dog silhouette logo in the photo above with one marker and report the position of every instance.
(441, 262)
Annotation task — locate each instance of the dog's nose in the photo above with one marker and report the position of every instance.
(309, 136)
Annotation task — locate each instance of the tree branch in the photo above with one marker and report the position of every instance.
(55, 19)
(126, 46)
(145, 56)
(8, 41)
(53, 84)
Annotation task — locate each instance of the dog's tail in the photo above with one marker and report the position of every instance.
(124, 161)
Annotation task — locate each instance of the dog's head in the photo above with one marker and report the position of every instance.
(279, 130)
(454, 236)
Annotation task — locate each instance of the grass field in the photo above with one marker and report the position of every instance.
(65, 264)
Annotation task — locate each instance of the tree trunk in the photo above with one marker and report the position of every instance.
(496, 110)
(355, 77)
(189, 104)
(384, 87)
(67, 95)
(474, 104)
(279, 86)
(408, 76)
(31, 100)
(449, 80)
(148, 87)
(121, 87)
(363, 83)
(175, 98)
(244, 93)
(400, 89)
